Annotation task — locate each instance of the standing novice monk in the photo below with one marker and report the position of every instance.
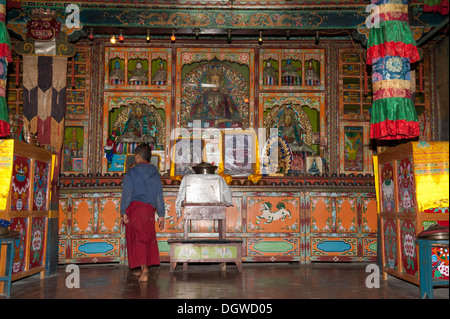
(141, 196)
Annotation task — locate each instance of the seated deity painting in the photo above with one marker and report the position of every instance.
(133, 124)
(294, 140)
(216, 94)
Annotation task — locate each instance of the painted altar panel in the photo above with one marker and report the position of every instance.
(109, 221)
(93, 248)
(342, 247)
(354, 156)
(83, 216)
(369, 216)
(390, 243)
(406, 195)
(20, 183)
(292, 69)
(370, 247)
(131, 118)
(387, 188)
(300, 119)
(408, 249)
(135, 68)
(270, 214)
(38, 241)
(272, 247)
(215, 86)
(40, 185)
(346, 215)
(173, 223)
(20, 224)
(322, 214)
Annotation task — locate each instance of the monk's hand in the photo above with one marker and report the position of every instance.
(125, 219)
(162, 222)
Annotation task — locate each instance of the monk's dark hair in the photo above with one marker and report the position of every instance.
(145, 151)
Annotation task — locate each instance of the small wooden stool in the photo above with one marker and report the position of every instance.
(426, 276)
(9, 239)
(205, 250)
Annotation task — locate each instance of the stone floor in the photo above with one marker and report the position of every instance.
(207, 281)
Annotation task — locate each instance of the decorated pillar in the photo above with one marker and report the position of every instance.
(391, 50)
(45, 52)
(5, 58)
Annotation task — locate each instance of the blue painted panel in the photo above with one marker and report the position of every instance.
(95, 248)
(334, 246)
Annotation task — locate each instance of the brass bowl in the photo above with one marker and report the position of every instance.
(204, 168)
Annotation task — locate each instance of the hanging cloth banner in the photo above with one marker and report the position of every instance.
(5, 58)
(391, 50)
(45, 52)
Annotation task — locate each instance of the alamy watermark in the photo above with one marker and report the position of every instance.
(73, 18)
(73, 279)
(373, 279)
(373, 20)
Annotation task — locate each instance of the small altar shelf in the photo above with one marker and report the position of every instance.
(205, 250)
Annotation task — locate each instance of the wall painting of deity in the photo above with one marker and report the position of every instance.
(215, 88)
(292, 69)
(74, 148)
(137, 68)
(354, 157)
(298, 121)
(130, 119)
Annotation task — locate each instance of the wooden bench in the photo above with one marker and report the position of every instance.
(205, 250)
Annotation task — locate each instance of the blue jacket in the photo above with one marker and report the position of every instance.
(142, 183)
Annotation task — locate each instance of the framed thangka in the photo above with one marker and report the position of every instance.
(130, 119)
(289, 69)
(239, 153)
(137, 68)
(298, 121)
(216, 87)
(354, 155)
(74, 148)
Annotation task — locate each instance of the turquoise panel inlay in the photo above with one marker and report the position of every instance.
(332, 246)
(95, 248)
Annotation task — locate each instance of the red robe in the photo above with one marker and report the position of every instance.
(140, 233)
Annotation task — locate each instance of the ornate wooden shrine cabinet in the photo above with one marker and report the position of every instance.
(26, 177)
(413, 194)
(285, 119)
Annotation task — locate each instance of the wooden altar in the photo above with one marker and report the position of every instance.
(303, 220)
